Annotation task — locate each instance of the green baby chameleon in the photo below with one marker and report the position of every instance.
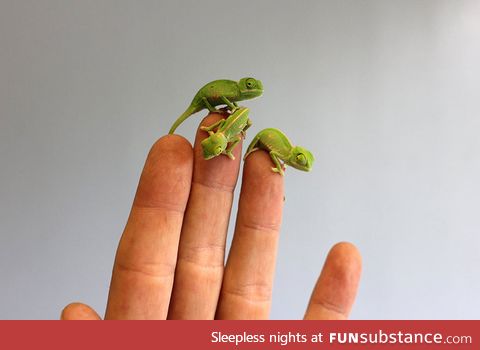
(280, 148)
(230, 130)
(221, 92)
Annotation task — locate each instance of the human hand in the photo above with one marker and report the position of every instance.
(170, 260)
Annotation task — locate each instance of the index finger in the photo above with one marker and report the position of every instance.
(144, 267)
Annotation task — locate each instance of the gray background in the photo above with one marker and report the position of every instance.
(384, 93)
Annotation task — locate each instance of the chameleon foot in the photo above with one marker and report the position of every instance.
(280, 171)
(213, 126)
(230, 155)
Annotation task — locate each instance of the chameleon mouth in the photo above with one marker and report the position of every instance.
(307, 167)
(253, 93)
(208, 156)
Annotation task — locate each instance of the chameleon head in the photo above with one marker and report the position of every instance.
(250, 88)
(214, 145)
(301, 159)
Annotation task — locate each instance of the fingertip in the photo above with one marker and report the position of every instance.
(78, 311)
(262, 194)
(345, 254)
(211, 118)
(342, 268)
(167, 174)
(171, 147)
(259, 177)
(218, 172)
(336, 288)
(261, 164)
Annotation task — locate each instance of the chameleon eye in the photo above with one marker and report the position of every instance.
(218, 150)
(301, 159)
(250, 83)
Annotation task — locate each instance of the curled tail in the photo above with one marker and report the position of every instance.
(190, 110)
(252, 147)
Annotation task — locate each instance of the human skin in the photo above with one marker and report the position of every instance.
(170, 259)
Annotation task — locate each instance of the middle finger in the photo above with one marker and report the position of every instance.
(200, 264)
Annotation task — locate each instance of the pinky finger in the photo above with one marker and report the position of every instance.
(79, 311)
(336, 288)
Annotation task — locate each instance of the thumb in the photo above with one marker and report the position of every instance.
(79, 311)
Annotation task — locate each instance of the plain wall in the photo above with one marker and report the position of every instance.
(384, 93)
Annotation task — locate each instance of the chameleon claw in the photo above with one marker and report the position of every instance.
(213, 126)
(205, 128)
(280, 171)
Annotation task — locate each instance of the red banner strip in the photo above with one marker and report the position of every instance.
(328, 335)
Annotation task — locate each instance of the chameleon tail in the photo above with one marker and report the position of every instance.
(252, 147)
(190, 110)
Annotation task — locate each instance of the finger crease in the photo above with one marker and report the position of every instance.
(209, 255)
(329, 306)
(253, 293)
(169, 207)
(200, 264)
(261, 226)
(154, 270)
(215, 186)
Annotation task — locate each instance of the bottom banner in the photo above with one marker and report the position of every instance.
(329, 335)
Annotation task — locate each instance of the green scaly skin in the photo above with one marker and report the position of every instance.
(281, 149)
(230, 130)
(221, 92)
